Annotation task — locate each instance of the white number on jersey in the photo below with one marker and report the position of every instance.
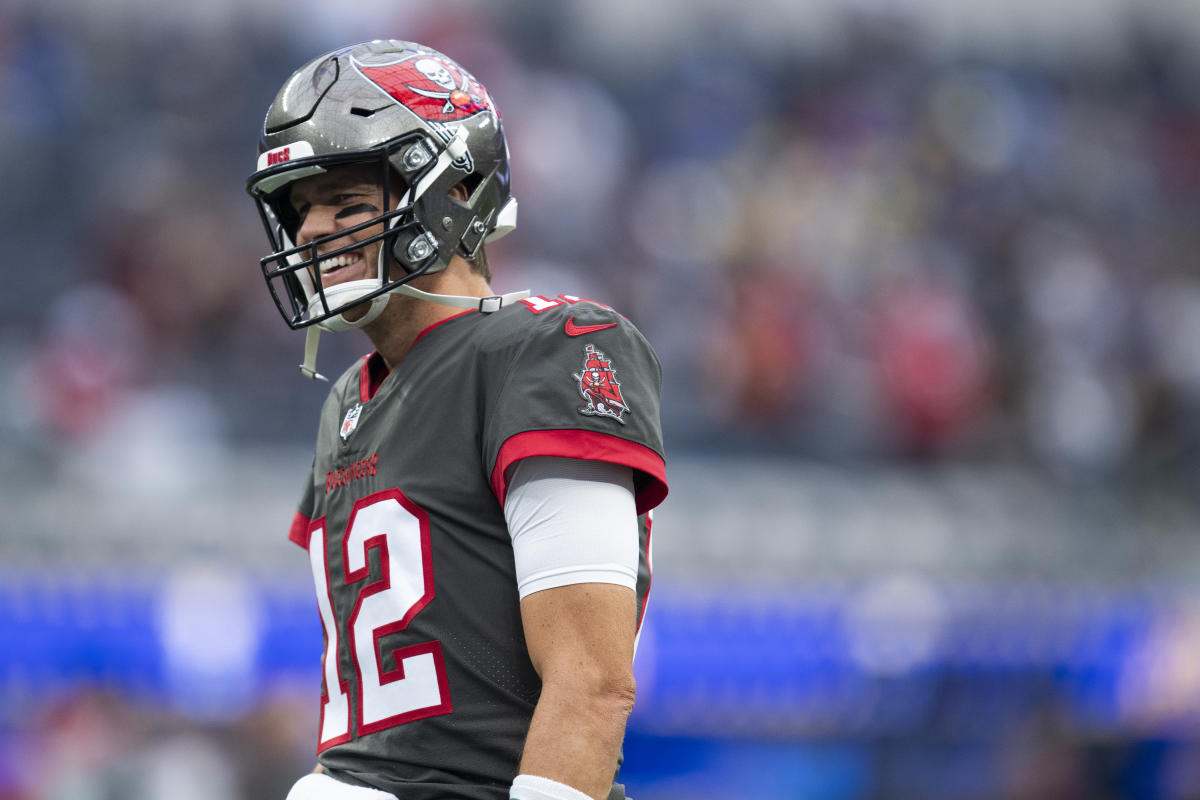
(415, 687)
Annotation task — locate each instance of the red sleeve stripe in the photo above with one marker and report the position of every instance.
(651, 486)
(299, 530)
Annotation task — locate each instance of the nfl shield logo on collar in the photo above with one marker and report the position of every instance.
(351, 421)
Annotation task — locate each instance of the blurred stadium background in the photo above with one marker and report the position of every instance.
(924, 279)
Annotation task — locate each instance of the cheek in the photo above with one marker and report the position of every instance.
(371, 254)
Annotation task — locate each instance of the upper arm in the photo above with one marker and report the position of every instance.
(575, 536)
(581, 632)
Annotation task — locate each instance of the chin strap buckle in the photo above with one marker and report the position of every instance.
(489, 304)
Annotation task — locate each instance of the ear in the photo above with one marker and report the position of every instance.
(460, 192)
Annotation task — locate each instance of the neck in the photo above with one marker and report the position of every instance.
(402, 321)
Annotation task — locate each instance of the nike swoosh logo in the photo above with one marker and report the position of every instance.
(579, 330)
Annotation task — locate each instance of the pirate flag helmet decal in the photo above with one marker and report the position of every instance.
(429, 126)
(432, 87)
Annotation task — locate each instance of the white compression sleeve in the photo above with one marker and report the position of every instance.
(572, 521)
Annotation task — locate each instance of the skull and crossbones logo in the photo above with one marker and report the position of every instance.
(455, 96)
(436, 72)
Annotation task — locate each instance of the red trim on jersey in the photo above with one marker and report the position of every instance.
(374, 371)
(298, 533)
(649, 571)
(591, 445)
(444, 321)
(371, 376)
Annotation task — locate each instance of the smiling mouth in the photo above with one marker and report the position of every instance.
(339, 265)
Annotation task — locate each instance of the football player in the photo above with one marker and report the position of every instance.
(477, 516)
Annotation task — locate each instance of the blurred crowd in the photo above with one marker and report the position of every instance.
(875, 249)
(94, 744)
(850, 240)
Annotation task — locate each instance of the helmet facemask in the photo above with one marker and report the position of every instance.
(291, 270)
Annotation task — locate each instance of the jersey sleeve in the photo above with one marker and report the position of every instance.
(584, 384)
(298, 532)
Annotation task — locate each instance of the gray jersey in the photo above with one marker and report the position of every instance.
(428, 688)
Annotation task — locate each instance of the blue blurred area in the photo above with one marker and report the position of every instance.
(768, 694)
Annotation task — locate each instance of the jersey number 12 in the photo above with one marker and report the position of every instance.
(415, 687)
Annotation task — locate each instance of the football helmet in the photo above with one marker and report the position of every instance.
(429, 126)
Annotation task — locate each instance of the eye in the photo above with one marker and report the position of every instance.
(300, 212)
(295, 201)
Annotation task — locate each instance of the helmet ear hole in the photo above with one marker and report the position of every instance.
(465, 189)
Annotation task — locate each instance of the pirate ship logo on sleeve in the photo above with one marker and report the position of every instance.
(599, 387)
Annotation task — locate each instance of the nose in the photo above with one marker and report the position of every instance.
(318, 221)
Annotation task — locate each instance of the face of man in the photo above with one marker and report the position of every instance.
(335, 201)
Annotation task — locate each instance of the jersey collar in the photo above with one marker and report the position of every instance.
(374, 370)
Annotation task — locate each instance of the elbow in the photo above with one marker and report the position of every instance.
(616, 689)
(614, 699)
(609, 694)
(622, 694)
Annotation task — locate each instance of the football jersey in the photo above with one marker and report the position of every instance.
(427, 688)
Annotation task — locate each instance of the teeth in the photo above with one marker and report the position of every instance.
(330, 264)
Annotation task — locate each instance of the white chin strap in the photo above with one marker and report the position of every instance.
(485, 304)
(312, 337)
(344, 293)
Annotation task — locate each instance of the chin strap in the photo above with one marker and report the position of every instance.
(312, 340)
(486, 305)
